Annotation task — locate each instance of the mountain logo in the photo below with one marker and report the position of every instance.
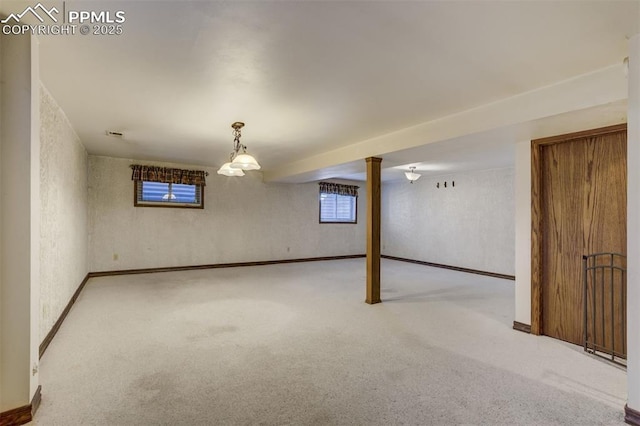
(38, 11)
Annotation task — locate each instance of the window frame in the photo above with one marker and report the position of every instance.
(355, 210)
(166, 204)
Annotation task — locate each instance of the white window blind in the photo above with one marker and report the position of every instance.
(169, 194)
(337, 208)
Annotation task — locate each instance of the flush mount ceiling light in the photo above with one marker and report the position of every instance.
(238, 161)
(412, 175)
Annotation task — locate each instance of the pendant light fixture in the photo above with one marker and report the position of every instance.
(412, 175)
(227, 170)
(238, 161)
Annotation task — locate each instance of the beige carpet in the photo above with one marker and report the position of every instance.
(296, 344)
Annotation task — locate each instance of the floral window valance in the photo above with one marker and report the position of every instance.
(338, 188)
(168, 175)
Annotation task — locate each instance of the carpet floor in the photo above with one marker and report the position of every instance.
(296, 344)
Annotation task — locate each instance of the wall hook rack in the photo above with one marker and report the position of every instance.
(453, 183)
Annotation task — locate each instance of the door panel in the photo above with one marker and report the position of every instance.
(583, 211)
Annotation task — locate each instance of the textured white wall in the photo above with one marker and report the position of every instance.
(633, 226)
(470, 225)
(19, 226)
(243, 220)
(63, 212)
(523, 232)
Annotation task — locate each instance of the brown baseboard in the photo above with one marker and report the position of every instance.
(21, 415)
(526, 328)
(35, 401)
(47, 340)
(453, 268)
(631, 416)
(219, 265)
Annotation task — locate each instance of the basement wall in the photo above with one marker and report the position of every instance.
(63, 212)
(469, 225)
(19, 220)
(523, 232)
(243, 220)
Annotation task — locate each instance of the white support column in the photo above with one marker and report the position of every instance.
(633, 235)
(522, 189)
(19, 222)
(34, 203)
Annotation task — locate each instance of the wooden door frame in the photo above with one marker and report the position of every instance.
(537, 326)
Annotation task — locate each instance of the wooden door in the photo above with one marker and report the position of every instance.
(582, 211)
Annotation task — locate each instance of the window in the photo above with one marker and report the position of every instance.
(166, 187)
(338, 203)
(168, 194)
(335, 208)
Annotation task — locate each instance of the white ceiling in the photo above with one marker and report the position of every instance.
(311, 77)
